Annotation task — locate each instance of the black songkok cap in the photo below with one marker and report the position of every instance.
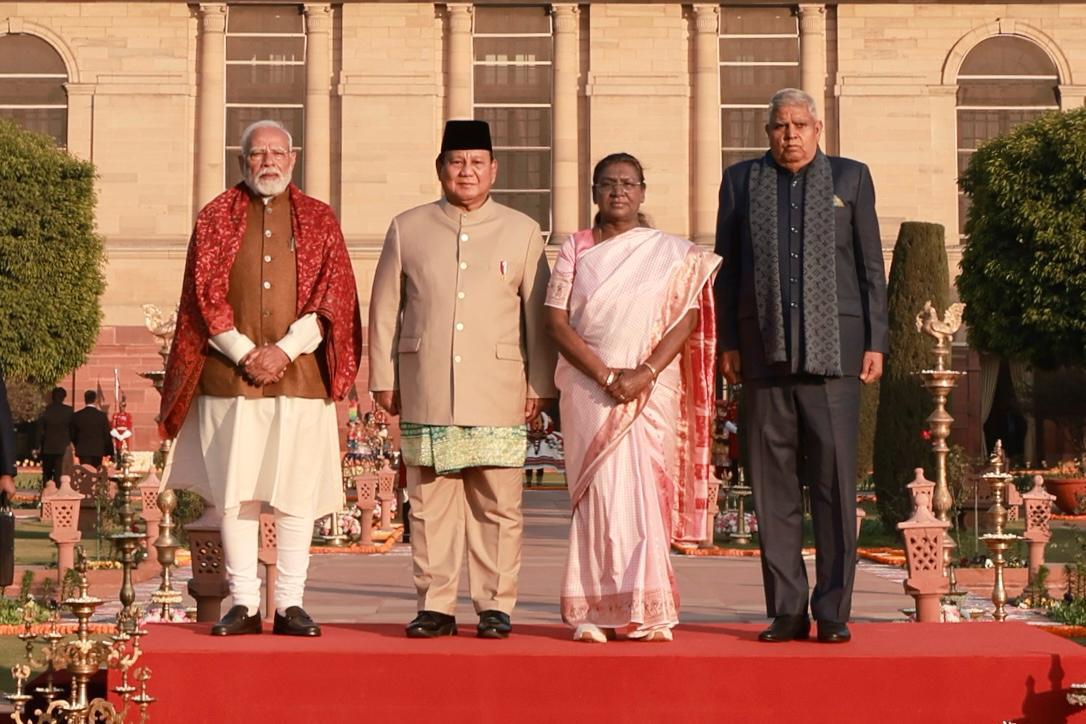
(466, 136)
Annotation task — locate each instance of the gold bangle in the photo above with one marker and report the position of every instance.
(652, 370)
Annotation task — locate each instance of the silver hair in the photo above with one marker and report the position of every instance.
(252, 128)
(791, 97)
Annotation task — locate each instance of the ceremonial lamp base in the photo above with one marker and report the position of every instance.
(742, 533)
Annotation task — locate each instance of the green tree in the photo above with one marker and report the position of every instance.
(1023, 270)
(918, 273)
(50, 258)
(865, 446)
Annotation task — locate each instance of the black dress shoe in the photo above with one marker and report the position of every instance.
(494, 625)
(431, 624)
(237, 621)
(787, 628)
(833, 632)
(295, 622)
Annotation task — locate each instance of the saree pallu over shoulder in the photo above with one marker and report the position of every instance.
(634, 259)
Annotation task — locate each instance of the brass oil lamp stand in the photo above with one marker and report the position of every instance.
(162, 327)
(82, 656)
(998, 541)
(126, 542)
(939, 382)
(739, 492)
(166, 545)
(336, 538)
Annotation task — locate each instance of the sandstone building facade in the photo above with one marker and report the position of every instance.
(156, 92)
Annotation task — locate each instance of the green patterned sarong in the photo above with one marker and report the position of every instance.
(451, 448)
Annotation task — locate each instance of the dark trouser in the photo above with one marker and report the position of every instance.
(92, 460)
(50, 467)
(803, 430)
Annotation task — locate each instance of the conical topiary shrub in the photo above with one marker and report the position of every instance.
(918, 273)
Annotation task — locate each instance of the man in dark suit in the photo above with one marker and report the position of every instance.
(90, 432)
(7, 444)
(802, 321)
(54, 434)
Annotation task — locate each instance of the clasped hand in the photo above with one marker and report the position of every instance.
(628, 383)
(264, 365)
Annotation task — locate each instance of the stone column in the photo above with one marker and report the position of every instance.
(210, 103)
(80, 119)
(316, 151)
(565, 188)
(812, 53)
(705, 154)
(1072, 97)
(458, 92)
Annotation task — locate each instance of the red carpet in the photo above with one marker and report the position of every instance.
(971, 673)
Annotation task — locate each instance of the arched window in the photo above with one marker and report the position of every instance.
(32, 78)
(1004, 81)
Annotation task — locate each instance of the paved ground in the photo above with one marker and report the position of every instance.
(379, 589)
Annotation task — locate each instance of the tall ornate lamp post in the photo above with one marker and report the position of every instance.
(162, 327)
(940, 381)
(998, 541)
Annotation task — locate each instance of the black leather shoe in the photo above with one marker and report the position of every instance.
(431, 624)
(295, 622)
(493, 625)
(787, 628)
(833, 632)
(237, 621)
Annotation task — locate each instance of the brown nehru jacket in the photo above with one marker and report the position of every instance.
(264, 296)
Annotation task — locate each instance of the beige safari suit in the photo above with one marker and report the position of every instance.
(456, 326)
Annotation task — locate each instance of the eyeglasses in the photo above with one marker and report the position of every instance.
(608, 186)
(259, 154)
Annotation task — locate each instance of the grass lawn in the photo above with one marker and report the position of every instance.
(11, 652)
(34, 548)
(32, 544)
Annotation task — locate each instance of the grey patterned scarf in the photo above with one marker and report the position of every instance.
(821, 335)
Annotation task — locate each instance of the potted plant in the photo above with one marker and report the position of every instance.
(1068, 484)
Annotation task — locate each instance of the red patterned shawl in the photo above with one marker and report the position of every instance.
(326, 286)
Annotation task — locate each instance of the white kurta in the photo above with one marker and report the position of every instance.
(283, 451)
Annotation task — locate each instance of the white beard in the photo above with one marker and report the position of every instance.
(268, 186)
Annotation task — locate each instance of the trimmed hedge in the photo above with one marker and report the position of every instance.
(50, 258)
(918, 273)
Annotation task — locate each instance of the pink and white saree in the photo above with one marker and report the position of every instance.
(638, 472)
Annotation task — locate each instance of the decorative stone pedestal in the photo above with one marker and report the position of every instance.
(208, 583)
(711, 510)
(267, 555)
(924, 534)
(47, 494)
(64, 505)
(1038, 507)
(365, 490)
(86, 480)
(149, 510)
(386, 494)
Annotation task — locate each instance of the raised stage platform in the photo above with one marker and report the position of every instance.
(970, 672)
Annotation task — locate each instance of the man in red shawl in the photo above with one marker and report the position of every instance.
(268, 335)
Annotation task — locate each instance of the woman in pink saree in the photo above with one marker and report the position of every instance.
(630, 309)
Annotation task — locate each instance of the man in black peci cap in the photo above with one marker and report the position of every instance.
(457, 350)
